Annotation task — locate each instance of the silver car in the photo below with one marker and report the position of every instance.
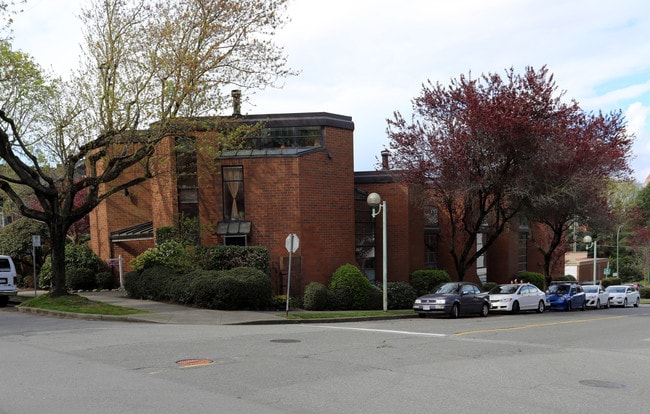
(596, 296)
(620, 295)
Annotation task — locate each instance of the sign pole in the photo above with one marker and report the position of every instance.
(291, 244)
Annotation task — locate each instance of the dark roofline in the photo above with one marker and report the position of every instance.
(143, 231)
(275, 120)
(372, 177)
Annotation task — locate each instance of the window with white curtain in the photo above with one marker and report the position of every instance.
(233, 192)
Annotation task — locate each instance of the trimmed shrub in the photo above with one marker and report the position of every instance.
(170, 254)
(400, 295)
(353, 289)
(644, 293)
(205, 290)
(156, 282)
(256, 287)
(220, 257)
(315, 297)
(106, 280)
(79, 278)
(487, 286)
(133, 285)
(424, 281)
(610, 281)
(534, 278)
(565, 278)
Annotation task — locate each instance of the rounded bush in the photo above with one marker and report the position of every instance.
(424, 281)
(156, 282)
(400, 295)
(355, 288)
(133, 285)
(171, 254)
(534, 278)
(610, 281)
(315, 297)
(644, 292)
(106, 280)
(80, 279)
(256, 288)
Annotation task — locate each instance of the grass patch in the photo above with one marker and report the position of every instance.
(346, 314)
(77, 304)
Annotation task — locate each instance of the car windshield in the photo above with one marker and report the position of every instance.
(590, 289)
(448, 288)
(504, 290)
(558, 289)
(616, 289)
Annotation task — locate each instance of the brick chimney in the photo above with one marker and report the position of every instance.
(384, 159)
(236, 102)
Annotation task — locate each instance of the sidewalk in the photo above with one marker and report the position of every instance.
(159, 312)
(169, 313)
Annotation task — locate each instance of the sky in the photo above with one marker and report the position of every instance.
(369, 58)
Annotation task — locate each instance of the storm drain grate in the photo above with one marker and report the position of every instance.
(602, 384)
(285, 341)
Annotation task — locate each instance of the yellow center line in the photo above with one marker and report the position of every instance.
(539, 325)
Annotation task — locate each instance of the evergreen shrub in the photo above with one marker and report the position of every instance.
(400, 295)
(534, 278)
(424, 281)
(353, 290)
(315, 297)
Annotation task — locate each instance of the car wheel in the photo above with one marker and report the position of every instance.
(625, 303)
(607, 304)
(455, 311)
(541, 307)
(4, 300)
(422, 315)
(598, 304)
(569, 307)
(636, 304)
(584, 306)
(515, 307)
(485, 310)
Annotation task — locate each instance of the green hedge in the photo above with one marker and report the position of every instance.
(400, 295)
(644, 293)
(315, 297)
(220, 257)
(239, 288)
(424, 281)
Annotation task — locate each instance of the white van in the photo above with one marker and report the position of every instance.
(8, 279)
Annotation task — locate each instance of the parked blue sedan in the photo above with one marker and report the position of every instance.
(566, 296)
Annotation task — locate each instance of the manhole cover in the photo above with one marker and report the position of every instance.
(285, 341)
(602, 384)
(188, 363)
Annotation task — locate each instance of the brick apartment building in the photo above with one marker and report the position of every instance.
(296, 177)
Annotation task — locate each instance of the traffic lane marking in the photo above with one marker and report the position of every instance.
(537, 325)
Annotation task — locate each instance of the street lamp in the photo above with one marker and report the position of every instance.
(588, 241)
(618, 231)
(374, 201)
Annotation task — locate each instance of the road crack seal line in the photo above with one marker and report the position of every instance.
(538, 325)
(382, 331)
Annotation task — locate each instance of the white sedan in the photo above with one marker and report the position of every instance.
(514, 297)
(596, 296)
(620, 295)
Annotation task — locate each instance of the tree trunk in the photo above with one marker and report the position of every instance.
(58, 239)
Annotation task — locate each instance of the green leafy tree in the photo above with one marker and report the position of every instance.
(144, 62)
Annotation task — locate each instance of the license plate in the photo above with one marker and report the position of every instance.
(426, 307)
(3, 280)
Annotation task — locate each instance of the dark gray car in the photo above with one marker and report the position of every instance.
(453, 299)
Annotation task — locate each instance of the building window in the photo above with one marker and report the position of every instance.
(365, 237)
(233, 193)
(481, 269)
(522, 260)
(288, 137)
(187, 177)
(430, 249)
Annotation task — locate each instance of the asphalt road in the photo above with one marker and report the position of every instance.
(560, 362)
